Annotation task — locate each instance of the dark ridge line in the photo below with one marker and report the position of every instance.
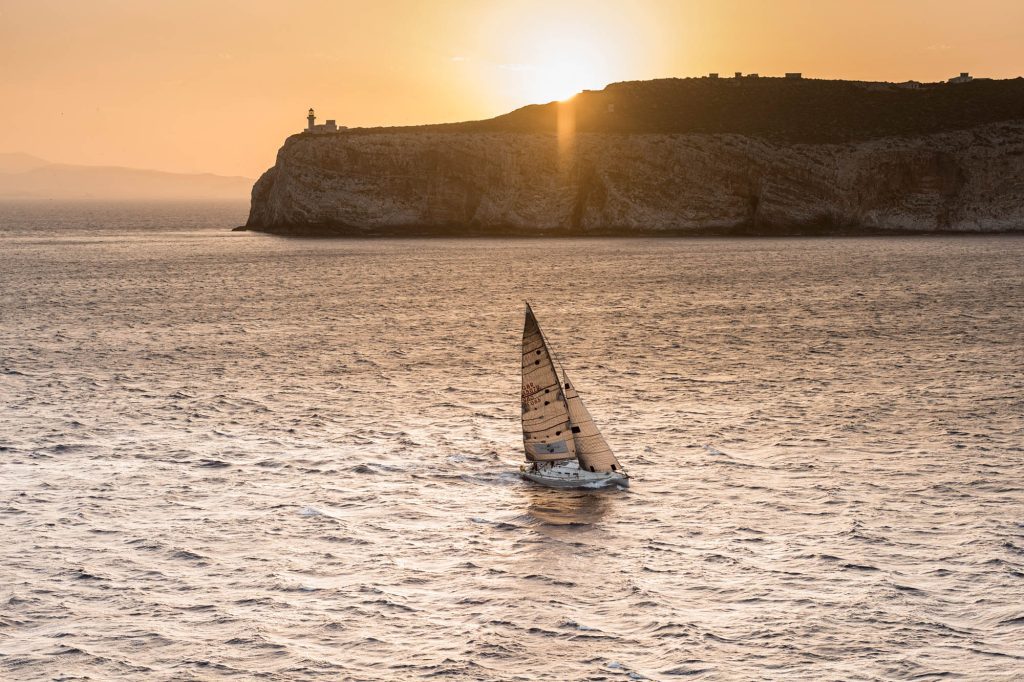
(813, 111)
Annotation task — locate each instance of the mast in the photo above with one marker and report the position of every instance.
(546, 429)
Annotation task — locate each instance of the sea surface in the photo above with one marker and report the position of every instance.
(236, 456)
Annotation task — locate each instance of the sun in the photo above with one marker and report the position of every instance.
(559, 64)
(560, 79)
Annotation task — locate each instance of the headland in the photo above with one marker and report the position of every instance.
(694, 156)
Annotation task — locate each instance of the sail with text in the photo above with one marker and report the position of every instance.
(547, 434)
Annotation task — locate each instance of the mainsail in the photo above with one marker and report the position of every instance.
(546, 428)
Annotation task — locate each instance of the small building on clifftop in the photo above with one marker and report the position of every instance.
(313, 127)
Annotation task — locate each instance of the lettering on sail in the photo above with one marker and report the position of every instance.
(530, 395)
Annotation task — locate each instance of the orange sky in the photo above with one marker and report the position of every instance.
(216, 85)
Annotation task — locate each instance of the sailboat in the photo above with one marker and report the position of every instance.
(564, 448)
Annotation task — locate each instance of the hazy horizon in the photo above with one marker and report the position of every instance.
(28, 177)
(198, 87)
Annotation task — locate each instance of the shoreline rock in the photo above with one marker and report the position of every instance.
(524, 184)
(500, 178)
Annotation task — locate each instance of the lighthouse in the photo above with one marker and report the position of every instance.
(331, 126)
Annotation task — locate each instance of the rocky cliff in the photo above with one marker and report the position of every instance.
(961, 172)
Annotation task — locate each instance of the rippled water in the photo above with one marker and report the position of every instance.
(232, 455)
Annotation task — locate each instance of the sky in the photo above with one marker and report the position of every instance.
(217, 85)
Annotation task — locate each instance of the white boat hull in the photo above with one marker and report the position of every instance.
(569, 475)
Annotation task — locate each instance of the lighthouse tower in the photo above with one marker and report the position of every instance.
(331, 126)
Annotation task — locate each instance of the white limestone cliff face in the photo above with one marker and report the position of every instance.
(395, 182)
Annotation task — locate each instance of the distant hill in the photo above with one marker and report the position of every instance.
(19, 163)
(780, 109)
(27, 177)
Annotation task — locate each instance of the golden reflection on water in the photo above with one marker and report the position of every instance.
(568, 508)
(565, 527)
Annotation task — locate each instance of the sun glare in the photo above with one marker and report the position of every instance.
(561, 79)
(561, 64)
